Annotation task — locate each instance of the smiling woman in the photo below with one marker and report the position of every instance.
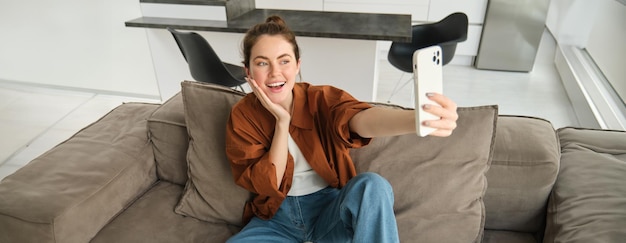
(288, 143)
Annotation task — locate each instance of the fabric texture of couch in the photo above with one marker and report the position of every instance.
(157, 173)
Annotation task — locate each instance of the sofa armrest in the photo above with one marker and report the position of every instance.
(70, 192)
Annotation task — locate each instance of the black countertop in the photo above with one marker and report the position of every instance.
(363, 26)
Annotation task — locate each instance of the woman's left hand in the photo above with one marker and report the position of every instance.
(446, 110)
(280, 113)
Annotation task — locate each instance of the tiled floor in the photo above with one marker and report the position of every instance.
(34, 119)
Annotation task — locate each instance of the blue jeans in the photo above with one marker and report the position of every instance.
(362, 211)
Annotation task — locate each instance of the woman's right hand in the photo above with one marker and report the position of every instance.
(280, 113)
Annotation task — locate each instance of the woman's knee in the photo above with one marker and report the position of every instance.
(373, 180)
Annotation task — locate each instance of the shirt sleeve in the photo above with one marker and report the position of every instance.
(342, 107)
(247, 149)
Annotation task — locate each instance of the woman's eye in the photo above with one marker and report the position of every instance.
(261, 64)
(284, 61)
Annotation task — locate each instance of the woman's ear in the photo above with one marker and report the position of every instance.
(299, 71)
(298, 64)
(247, 71)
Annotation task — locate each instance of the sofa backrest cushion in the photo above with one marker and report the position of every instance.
(523, 170)
(168, 135)
(588, 203)
(438, 183)
(210, 193)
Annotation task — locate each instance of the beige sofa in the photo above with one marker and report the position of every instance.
(157, 173)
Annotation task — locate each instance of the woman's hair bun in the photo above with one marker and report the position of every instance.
(276, 19)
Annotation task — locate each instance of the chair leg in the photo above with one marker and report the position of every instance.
(397, 89)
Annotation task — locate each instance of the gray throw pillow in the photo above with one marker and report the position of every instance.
(588, 201)
(438, 183)
(210, 193)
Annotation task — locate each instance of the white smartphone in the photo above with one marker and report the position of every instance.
(427, 77)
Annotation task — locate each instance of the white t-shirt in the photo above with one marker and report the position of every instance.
(305, 179)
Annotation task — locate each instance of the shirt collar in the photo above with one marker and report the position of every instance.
(301, 116)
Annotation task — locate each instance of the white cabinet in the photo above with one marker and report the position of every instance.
(183, 11)
(474, 9)
(470, 46)
(309, 5)
(418, 9)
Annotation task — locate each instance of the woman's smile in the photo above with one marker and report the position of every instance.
(276, 85)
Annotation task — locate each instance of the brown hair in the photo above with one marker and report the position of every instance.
(274, 25)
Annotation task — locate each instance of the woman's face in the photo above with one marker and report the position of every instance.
(274, 67)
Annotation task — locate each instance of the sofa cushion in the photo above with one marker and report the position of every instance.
(210, 193)
(151, 219)
(588, 202)
(168, 135)
(523, 170)
(438, 183)
(499, 236)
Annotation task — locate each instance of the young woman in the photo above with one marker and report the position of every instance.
(288, 143)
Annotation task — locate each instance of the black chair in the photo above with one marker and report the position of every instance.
(204, 64)
(446, 33)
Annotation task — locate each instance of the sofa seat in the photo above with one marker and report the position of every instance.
(151, 219)
(502, 236)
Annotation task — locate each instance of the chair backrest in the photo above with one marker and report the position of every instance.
(204, 63)
(446, 33)
(452, 28)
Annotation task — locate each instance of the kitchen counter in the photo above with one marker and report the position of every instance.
(363, 26)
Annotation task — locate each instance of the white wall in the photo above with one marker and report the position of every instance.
(598, 27)
(75, 43)
(570, 21)
(607, 43)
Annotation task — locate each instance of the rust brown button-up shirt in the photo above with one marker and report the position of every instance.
(319, 126)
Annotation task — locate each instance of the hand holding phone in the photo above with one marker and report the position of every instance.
(427, 78)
